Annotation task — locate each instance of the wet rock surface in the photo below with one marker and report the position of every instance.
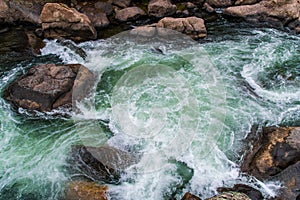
(105, 164)
(84, 190)
(252, 193)
(60, 21)
(45, 87)
(275, 156)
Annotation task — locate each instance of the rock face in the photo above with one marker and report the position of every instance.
(85, 191)
(277, 13)
(191, 26)
(45, 87)
(60, 21)
(130, 13)
(275, 156)
(161, 8)
(100, 163)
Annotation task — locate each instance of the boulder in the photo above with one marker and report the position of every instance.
(60, 21)
(246, 2)
(191, 26)
(275, 13)
(231, 196)
(121, 3)
(104, 7)
(97, 17)
(220, 3)
(189, 196)
(104, 163)
(45, 87)
(252, 193)
(161, 8)
(84, 190)
(290, 181)
(276, 149)
(130, 13)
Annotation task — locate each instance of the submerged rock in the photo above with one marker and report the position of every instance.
(191, 26)
(104, 163)
(277, 13)
(60, 21)
(161, 8)
(46, 87)
(84, 190)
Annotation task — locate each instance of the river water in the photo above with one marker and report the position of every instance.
(184, 107)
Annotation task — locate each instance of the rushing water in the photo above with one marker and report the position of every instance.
(185, 108)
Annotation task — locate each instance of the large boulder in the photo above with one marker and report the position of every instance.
(84, 190)
(97, 17)
(104, 163)
(161, 8)
(191, 26)
(130, 13)
(277, 13)
(60, 21)
(47, 86)
(23, 11)
(290, 181)
(276, 149)
(275, 157)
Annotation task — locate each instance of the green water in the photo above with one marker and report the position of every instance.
(188, 117)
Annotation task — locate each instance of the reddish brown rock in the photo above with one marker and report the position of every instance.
(275, 150)
(161, 8)
(220, 3)
(290, 180)
(46, 87)
(60, 21)
(246, 2)
(130, 13)
(191, 26)
(276, 13)
(121, 3)
(189, 196)
(83, 190)
(97, 17)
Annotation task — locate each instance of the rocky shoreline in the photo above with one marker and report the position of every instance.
(273, 153)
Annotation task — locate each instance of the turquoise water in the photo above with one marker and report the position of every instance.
(184, 107)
